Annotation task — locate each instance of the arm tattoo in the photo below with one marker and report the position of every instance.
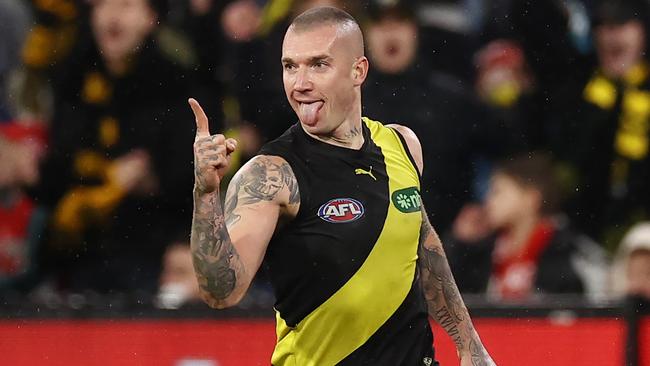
(216, 261)
(443, 298)
(262, 182)
(476, 352)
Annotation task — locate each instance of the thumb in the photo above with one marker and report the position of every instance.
(202, 126)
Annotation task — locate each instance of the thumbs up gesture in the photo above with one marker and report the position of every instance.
(211, 153)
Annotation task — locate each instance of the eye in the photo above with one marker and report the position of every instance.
(320, 64)
(289, 67)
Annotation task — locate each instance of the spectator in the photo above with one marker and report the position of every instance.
(21, 221)
(606, 124)
(451, 126)
(177, 283)
(14, 21)
(118, 174)
(631, 267)
(506, 86)
(533, 49)
(517, 245)
(52, 34)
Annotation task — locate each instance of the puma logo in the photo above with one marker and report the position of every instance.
(360, 171)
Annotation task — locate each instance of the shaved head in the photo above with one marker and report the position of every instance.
(347, 27)
(323, 70)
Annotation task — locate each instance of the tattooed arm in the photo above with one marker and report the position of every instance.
(443, 298)
(444, 301)
(228, 245)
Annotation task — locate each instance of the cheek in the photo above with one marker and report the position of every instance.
(501, 207)
(98, 21)
(639, 271)
(287, 81)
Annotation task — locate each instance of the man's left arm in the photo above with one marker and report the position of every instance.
(444, 302)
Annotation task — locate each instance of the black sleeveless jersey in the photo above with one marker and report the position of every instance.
(344, 270)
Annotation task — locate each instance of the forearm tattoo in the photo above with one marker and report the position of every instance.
(216, 261)
(443, 298)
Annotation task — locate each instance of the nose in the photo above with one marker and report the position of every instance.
(303, 81)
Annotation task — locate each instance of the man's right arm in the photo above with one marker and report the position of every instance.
(228, 245)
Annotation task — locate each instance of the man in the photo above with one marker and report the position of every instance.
(116, 177)
(353, 257)
(177, 283)
(603, 126)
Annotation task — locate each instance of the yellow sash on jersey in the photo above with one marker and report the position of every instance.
(357, 310)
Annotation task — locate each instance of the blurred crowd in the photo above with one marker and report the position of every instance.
(534, 118)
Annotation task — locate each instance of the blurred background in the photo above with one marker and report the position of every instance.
(534, 118)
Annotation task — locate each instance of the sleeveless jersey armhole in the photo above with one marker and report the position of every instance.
(407, 153)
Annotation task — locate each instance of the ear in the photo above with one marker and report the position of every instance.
(360, 70)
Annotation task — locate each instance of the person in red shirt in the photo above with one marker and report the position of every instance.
(21, 221)
(518, 244)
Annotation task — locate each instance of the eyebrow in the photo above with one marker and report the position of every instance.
(286, 60)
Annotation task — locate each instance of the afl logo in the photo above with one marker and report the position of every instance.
(341, 210)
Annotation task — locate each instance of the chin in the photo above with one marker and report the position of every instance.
(318, 129)
(315, 128)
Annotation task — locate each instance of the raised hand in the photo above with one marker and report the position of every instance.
(211, 153)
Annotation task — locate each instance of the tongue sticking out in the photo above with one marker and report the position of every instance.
(309, 112)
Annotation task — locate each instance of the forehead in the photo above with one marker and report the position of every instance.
(304, 44)
(632, 26)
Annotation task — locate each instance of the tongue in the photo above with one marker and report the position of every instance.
(309, 112)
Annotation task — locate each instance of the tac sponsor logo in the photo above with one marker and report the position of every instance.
(341, 210)
(407, 200)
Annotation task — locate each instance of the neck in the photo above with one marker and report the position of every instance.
(116, 67)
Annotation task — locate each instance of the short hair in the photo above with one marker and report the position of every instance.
(537, 171)
(323, 15)
(618, 12)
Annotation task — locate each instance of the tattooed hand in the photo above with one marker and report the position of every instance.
(211, 153)
(476, 356)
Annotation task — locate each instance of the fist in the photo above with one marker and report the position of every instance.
(211, 153)
(471, 224)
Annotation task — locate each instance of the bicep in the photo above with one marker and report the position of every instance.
(251, 228)
(254, 200)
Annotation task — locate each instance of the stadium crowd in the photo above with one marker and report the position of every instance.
(534, 118)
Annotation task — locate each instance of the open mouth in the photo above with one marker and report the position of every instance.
(112, 33)
(392, 49)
